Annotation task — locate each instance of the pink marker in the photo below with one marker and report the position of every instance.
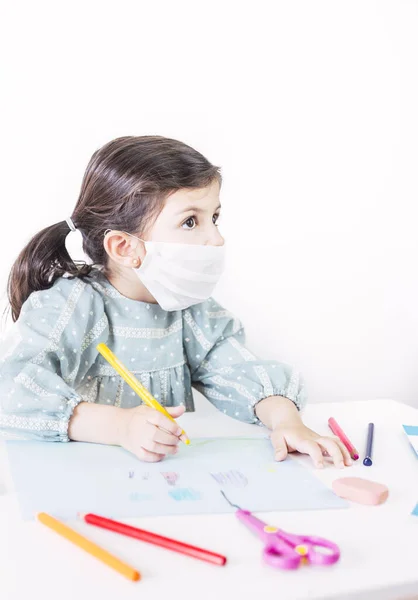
(336, 430)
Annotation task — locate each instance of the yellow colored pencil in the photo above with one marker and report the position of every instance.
(136, 385)
(88, 546)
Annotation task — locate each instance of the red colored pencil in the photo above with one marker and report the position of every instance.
(154, 538)
(336, 430)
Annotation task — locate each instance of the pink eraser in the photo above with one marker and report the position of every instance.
(360, 490)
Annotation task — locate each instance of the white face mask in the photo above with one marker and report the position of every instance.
(180, 275)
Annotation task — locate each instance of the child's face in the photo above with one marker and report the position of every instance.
(189, 217)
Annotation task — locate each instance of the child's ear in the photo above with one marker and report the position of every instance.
(123, 248)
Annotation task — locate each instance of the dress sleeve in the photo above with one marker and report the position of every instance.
(46, 355)
(226, 372)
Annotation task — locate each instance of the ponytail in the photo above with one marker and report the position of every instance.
(125, 186)
(40, 263)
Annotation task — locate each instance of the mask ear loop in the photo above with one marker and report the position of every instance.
(131, 234)
(135, 236)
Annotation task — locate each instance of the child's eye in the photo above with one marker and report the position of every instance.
(190, 223)
(215, 219)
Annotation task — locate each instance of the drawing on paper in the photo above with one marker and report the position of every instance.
(271, 468)
(180, 494)
(171, 477)
(235, 478)
(199, 443)
(114, 482)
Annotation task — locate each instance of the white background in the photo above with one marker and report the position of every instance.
(310, 107)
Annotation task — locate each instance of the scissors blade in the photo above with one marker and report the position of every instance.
(229, 501)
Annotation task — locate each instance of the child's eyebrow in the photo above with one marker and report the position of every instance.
(197, 209)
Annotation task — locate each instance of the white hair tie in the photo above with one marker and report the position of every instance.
(70, 224)
(74, 244)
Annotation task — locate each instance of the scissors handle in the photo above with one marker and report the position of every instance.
(319, 557)
(277, 553)
(317, 550)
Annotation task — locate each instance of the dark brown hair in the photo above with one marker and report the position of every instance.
(124, 187)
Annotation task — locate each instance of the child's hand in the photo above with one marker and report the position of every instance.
(149, 434)
(289, 434)
(295, 436)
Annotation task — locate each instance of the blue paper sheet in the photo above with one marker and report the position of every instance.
(412, 433)
(64, 479)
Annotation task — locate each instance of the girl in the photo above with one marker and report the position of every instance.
(147, 213)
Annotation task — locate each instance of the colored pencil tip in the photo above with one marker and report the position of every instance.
(367, 462)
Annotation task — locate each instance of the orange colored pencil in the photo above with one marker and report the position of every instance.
(89, 546)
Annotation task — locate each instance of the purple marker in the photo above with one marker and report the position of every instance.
(367, 462)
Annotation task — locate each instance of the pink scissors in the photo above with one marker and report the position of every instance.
(286, 550)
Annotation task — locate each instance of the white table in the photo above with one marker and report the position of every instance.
(379, 544)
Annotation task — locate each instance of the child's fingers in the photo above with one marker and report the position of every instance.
(279, 445)
(156, 418)
(175, 411)
(164, 437)
(183, 437)
(348, 461)
(333, 449)
(312, 448)
(149, 456)
(149, 444)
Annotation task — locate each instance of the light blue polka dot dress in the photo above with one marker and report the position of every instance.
(49, 362)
